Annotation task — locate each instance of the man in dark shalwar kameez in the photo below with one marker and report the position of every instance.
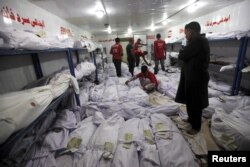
(193, 85)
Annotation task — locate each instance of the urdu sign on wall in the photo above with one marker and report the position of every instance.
(10, 15)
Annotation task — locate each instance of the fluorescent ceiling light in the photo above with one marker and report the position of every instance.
(152, 28)
(165, 22)
(195, 6)
(99, 14)
(130, 30)
(165, 16)
(109, 30)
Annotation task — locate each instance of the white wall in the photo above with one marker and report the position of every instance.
(237, 15)
(25, 9)
(18, 71)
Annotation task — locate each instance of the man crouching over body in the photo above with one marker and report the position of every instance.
(147, 79)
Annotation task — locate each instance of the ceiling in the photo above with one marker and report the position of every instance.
(121, 14)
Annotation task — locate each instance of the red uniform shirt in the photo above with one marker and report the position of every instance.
(150, 76)
(159, 49)
(116, 51)
(140, 53)
(137, 51)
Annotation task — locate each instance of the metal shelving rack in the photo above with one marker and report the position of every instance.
(19, 135)
(37, 64)
(240, 60)
(16, 137)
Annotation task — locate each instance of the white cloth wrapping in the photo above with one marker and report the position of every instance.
(96, 92)
(114, 89)
(110, 93)
(225, 35)
(22, 40)
(214, 93)
(84, 69)
(102, 146)
(169, 84)
(19, 109)
(106, 108)
(173, 149)
(246, 69)
(131, 110)
(231, 131)
(83, 133)
(228, 67)
(90, 45)
(219, 85)
(84, 95)
(163, 104)
(56, 140)
(126, 152)
(149, 156)
(137, 94)
(227, 103)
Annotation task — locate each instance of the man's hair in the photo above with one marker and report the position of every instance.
(145, 52)
(195, 26)
(131, 39)
(158, 36)
(144, 69)
(139, 39)
(117, 40)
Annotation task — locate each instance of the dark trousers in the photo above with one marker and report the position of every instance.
(131, 66)
(194, 117)
(137, 60)
(117, 64)
(157, 64)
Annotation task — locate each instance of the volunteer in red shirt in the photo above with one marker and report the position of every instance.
(160, 53)
(138, 52)
(147, 79)
(116, 51)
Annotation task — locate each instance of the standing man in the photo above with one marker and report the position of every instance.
(193, 85)
(131, 56)
(160, 53)
(116, 51)
(138, 52)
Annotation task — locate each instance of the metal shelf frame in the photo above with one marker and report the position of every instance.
(37, 64)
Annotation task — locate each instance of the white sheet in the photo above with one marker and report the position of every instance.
(173, 149)
(19, 109)
(126, 152)
(231, 131)
(103, 144)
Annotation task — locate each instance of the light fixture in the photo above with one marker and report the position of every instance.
(165, 22)
(152, 28)
(130, 30)
(99, 14)
(195, 6)
(109, 30)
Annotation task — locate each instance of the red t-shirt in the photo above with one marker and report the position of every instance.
(116, 51)
(159, 48)
(136, 46)
(150, 76)
(137, 51)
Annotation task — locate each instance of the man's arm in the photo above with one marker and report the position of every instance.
(190, 50)
(143, 57)
(131, 79)
(121, 50)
